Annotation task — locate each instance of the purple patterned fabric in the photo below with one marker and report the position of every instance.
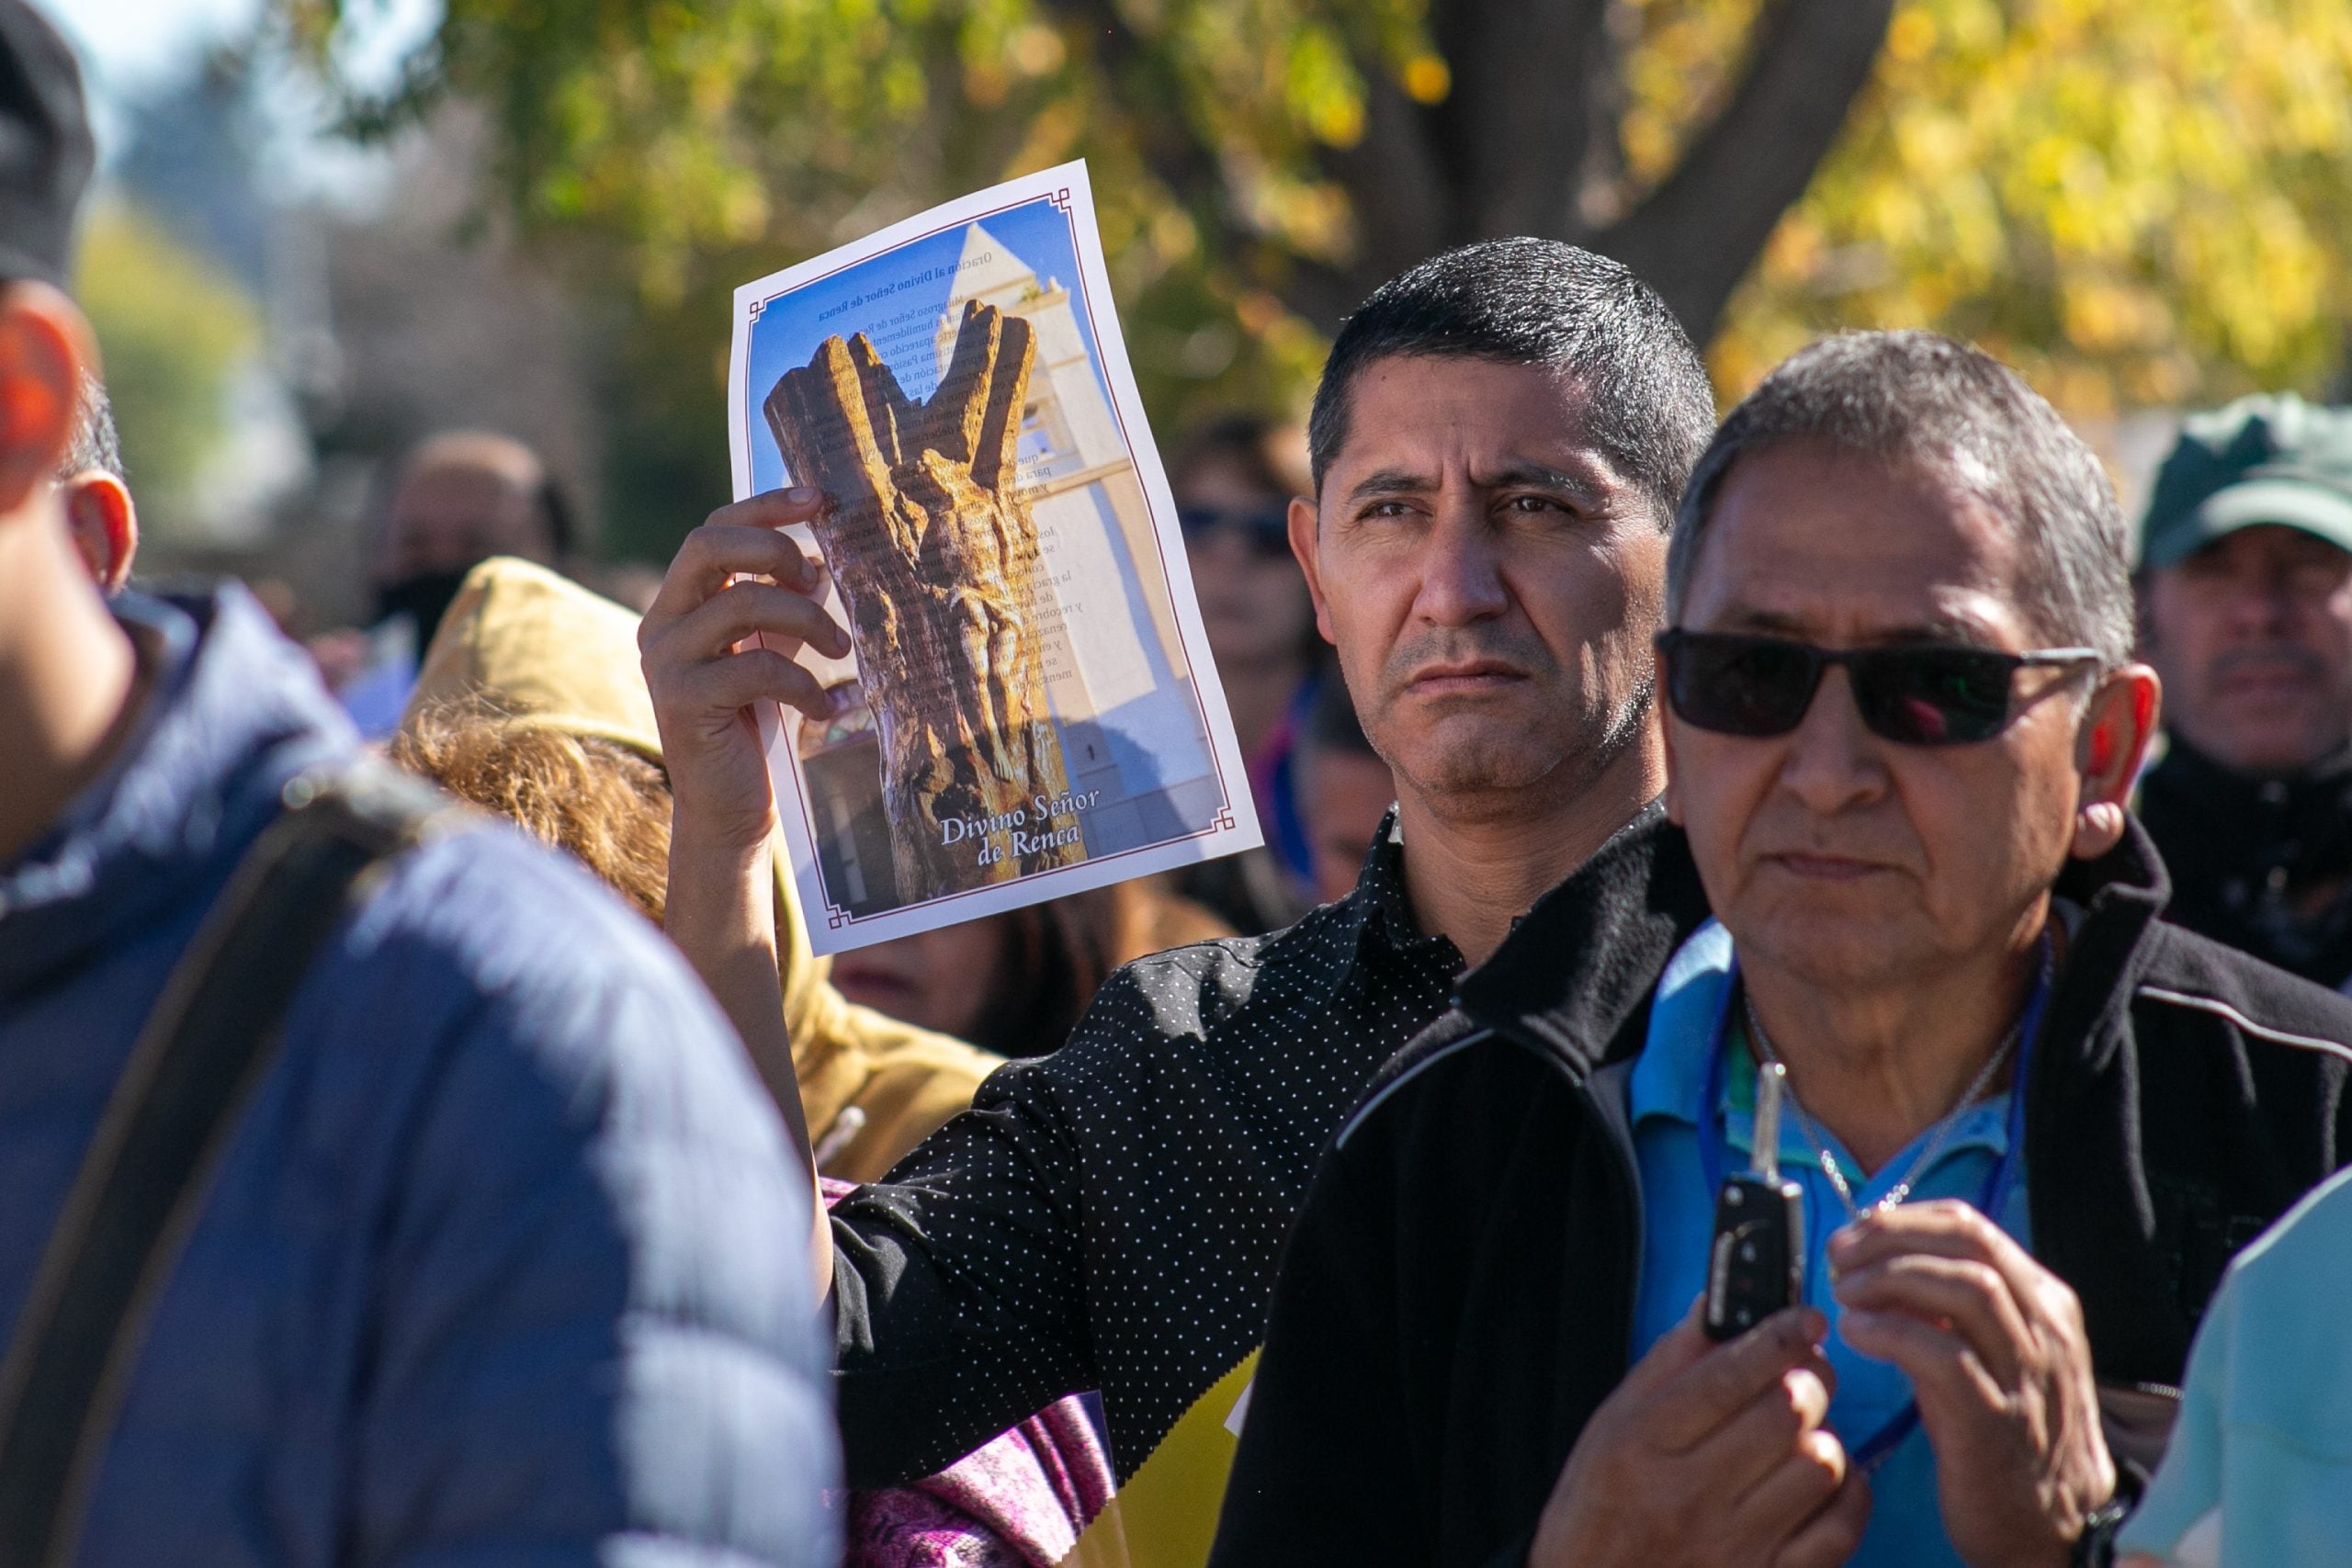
(1017, 1501)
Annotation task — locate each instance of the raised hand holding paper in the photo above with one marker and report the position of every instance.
(1029, 709)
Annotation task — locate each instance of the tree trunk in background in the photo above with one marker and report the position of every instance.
(1525, 141)
(936, 560)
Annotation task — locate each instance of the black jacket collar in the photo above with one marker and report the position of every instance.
(2121, 894)
(2315, 792)
(2258, 863)
(1584, 959)
(1580, 967)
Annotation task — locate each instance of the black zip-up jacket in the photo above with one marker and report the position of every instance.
(2262, 865)
(1458, 1296)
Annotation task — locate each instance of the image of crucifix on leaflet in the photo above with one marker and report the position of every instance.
(935, 556)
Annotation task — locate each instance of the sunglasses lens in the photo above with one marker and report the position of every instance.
(1265, 533)
(1270, 532)
(1938, 696)
(1741, 685)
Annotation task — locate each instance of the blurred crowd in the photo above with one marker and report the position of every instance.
(387, 1185)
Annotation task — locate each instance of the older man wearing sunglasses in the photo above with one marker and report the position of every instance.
(2029, 1121)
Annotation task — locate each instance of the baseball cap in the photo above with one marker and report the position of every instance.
(45, 149)
(2267, 458)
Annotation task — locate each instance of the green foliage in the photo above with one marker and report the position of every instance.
(658, 137)
(2137, 204)
(675, 150)
(171, 330)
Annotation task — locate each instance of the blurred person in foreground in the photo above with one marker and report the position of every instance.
(1499, 438)
(498, 1251)
(2028, 1118)
(461, 497)
(1344, 789)
(2259, 1471)
(1233, 480)
(2245, 611)
(530, 705)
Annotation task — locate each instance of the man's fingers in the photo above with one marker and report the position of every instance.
(1834, 1534)
(714, 627)
(1971, 1296)
(1758, 1440)
(716, 552)
(1944, 1226)
(771, 509)
(1805, 1476)
(1944, 1371)
(1702, 1396)
(1676, 1351)
(727, 685)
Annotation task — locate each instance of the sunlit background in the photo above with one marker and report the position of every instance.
(330, 226)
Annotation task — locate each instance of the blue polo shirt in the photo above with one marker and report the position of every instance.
(1665, 1094)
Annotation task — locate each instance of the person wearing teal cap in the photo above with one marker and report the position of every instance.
(2245, 611)
(2260, 1466)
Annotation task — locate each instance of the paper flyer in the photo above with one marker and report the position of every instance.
(1030, 709)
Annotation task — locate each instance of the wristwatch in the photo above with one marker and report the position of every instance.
(2095, 1548)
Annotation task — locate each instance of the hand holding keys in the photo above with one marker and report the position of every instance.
(1756, 1262)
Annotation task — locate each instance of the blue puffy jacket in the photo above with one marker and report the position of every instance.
(505, 1264)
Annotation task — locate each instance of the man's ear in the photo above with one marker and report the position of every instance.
(104, 522)
(1302, 519)
(2118, 725)
(44, 343)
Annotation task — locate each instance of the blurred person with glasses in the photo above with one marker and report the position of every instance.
(2028, 1120)
(1233, 480)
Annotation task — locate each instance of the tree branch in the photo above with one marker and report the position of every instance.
(1181, 160)
(1500, 155)
(1694, 238)
(1512, 132)
(1400, 195)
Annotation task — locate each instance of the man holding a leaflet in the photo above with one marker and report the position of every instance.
(1498, 443)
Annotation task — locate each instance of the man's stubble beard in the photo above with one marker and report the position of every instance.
(1493, 779)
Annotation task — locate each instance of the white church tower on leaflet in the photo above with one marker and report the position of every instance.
(1122, 690)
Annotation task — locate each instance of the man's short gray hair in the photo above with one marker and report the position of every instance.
(94, 443)
(1915, 397)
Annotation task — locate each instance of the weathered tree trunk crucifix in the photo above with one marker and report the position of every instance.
(936, 558)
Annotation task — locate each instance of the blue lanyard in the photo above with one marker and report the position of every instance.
(1714, 1144)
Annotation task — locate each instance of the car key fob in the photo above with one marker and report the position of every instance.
(1755, 1258)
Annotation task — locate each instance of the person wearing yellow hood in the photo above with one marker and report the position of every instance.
(530, 704)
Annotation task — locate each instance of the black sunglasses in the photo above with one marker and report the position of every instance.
(1266, 533)
(1930, 696)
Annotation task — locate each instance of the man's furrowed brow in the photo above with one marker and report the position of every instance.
(1586, 489)
(1390, 481)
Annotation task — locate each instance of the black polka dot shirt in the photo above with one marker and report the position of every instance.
(1110, 1216)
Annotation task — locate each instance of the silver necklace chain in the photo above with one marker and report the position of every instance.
(1944, 1128)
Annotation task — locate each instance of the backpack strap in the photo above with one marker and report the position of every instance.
(174, 1111)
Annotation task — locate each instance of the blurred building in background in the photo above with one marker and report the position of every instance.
(2087, 188)
(270, 358)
